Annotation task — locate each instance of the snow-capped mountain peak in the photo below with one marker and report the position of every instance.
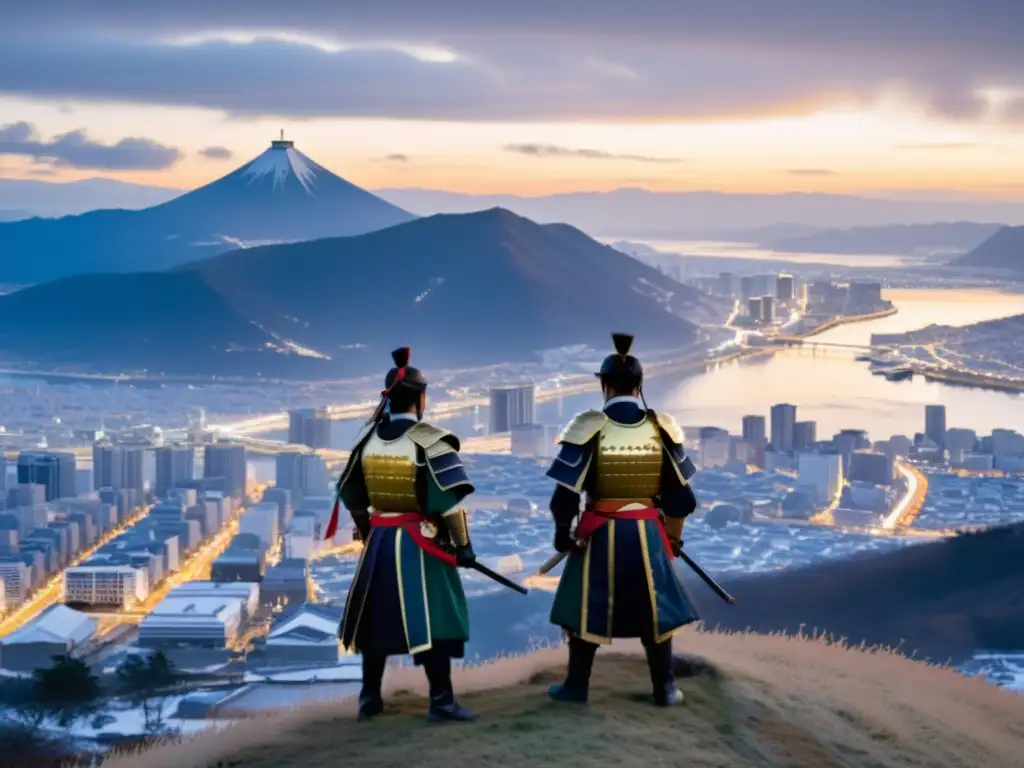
(279, 162)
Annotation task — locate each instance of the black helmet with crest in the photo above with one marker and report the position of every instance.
(402, 386)
(621, 371)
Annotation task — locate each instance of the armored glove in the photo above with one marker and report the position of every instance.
(465, 556)
(362, 525)
(564, 541)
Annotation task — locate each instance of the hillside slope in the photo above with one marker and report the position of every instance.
(1004, 250)
(941, 600)
(765, 701)
(463, 290)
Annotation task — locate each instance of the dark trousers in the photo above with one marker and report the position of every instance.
(437, 665)
(581, 663)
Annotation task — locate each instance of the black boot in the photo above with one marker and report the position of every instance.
(576, 687)
(659, 661)
(370, 701)
(443, 706)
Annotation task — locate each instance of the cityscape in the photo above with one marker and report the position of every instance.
(674, 357)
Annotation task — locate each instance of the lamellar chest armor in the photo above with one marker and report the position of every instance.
(389, 471)
(629, 460)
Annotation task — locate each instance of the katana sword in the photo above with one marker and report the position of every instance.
(495, 576)
(717, 588)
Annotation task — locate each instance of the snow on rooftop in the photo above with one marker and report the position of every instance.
(310, 618)
(57, 624)
(280, 162)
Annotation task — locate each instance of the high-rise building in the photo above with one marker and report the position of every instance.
(754, 435)
(174, 464)
(714, 447)
(783, 423)
(784, 288)
(511, 407)
(767, 309)
(805, 434)
(309, 426)
(117, 466)
(935, 424)
(726, 285)
(871, 467)
(226, 461)
(823, 472)
(54, 471)
(754, 308)
(846, 441)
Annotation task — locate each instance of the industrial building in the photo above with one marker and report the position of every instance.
(243, 560)
(207, 622)
(287, 583)
(308, 635)
(510, 407)
(247, 592)
(55, 632)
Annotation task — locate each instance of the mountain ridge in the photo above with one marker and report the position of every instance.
(281, 195)
(1003, 250)
(643, 214)
(464, 290)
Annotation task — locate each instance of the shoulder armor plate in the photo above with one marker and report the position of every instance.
(426, 435)
(670, 426)
(583, 427)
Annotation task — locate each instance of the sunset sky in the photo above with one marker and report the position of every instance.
(920, 99)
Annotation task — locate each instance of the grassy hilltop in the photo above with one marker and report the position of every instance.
(766, 700)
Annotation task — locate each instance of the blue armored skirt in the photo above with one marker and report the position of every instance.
(403, 601)
(622, 585)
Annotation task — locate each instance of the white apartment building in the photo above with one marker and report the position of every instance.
(117, 586)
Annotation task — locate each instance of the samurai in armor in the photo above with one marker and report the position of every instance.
(403, 485)
(619, 580)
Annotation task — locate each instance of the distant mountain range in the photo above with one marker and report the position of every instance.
(896, 239)
(1003, 250)
(25, 198)
(460, 289)
(640, 214)
(280, 196)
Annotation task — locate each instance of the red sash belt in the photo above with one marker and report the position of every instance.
(410, 522)
(597, 513)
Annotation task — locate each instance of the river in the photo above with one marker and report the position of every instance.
(828, 387)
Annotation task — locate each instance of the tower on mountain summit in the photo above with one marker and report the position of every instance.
(281, 143)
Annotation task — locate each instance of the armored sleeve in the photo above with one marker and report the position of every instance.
(677, 497)
(352, 492)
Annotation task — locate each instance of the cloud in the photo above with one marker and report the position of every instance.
(77, 150)
(811, 172)
(646, 60)
(397, 158)
(551, 150)
(217, 153)
(939, 145)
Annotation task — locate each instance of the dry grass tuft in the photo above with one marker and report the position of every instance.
(761, 700)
